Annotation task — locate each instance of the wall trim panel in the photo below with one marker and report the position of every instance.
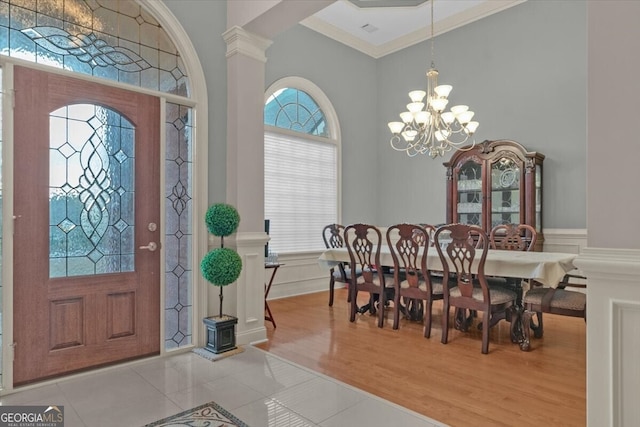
(626, 370)
(613, 350)
(565, 240)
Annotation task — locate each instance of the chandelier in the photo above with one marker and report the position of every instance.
(425, 127)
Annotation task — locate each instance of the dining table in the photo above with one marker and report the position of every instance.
(546, 268)
(539, 268)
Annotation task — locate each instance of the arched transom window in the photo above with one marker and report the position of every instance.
(115, 40)
(295, 110)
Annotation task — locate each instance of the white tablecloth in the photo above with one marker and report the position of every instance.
(547, 268)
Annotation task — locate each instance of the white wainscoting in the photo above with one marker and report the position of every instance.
(301, 273)
(613, 336)
(565, 240)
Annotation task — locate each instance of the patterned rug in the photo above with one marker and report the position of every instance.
(207, 415)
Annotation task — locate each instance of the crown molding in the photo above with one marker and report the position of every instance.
(378, 51)
(320, 26)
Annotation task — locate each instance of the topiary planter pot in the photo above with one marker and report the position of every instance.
(221, 334)
(221, 267)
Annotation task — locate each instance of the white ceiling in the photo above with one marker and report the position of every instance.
(392, 28)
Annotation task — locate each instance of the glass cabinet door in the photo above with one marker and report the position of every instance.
(506, 178)
(468, 181)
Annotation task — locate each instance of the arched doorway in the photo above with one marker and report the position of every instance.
(172, 72)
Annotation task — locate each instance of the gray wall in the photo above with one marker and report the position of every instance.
(522, 70)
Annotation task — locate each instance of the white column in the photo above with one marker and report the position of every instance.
(245, 176)
(611, 260)
(613, 346)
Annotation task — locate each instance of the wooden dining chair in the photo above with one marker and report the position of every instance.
(425, 239)
(409, 248)
(333, 236)
(465, 287)
(558, 300)
(513, 237)
(363, 242)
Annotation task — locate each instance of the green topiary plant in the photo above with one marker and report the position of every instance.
(221, 266)
(222, 219)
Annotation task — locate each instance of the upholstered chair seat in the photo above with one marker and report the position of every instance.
(562, 299)
(557, 300)
(437, 286)
(498, 296)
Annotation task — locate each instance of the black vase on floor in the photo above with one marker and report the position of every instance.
(221, 335)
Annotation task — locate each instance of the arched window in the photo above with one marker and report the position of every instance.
(301, 165)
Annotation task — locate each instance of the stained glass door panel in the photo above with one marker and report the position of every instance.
(91, 189)
(86, 282)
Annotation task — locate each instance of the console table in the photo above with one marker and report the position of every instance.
(273, 266)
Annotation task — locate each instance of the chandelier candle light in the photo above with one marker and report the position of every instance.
(426, 128)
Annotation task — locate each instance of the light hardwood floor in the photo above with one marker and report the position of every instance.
(452, 383)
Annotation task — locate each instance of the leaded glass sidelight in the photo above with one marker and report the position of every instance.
(178, 233)
(91, 191)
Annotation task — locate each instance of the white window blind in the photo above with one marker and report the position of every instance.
(301, 191)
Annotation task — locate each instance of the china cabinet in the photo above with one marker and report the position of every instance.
(495, 182)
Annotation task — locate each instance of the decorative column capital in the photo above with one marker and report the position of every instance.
(245, 43)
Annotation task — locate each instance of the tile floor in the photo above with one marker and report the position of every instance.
(259, 388)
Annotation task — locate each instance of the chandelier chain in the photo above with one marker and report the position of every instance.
(433, 43)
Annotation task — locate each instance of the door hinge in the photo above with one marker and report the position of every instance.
(13, 350)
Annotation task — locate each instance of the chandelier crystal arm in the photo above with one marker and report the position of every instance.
(426, 128)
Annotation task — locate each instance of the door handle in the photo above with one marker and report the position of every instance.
(152, 246)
